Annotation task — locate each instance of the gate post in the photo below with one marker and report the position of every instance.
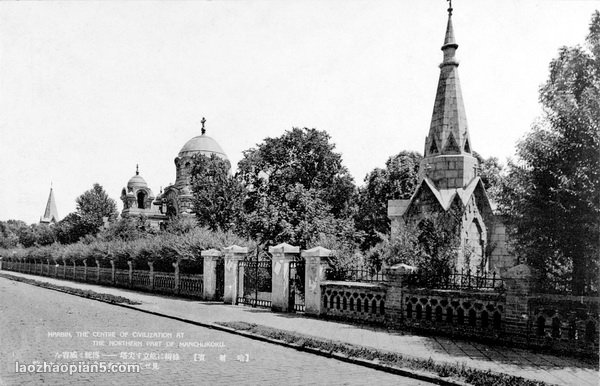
(280, 289)
(151, 275)
(317, 260)
(209, 275)
(112, 271)
(97, 271)
(130, 264)
(233, 255)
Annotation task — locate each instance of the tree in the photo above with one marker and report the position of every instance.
(551, 197)
(94, 207)
(9, 233)
(297, 188)
(217, 194)
(397, 181)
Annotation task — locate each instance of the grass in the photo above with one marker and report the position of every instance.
(453, 372)
(74, 291)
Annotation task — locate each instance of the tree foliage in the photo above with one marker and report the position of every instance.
(94, 207)
(217, 194)
(297, 189)
(397, 181)
(551, 197)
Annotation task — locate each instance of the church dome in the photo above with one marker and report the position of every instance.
(136, 182)
(202, 144)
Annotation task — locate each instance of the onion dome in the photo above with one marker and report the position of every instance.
(136, 182)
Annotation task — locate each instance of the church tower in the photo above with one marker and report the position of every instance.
(50, 214)
(448, 171)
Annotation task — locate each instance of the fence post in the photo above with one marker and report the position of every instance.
(520, 284)
(151, 265)
(233, 255)
(317, 260)
(74, 269)
(84, 270)
(280, 287)
(112, 271)
(209, 275)
(97, 271)
(1, 268)
(64, 269)
(176, 266)
(394, 305)
(130, 264)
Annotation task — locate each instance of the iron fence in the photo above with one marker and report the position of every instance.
(457, 280)
(358, 275)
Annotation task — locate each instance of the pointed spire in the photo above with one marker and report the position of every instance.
(137, 169)
(448, 132)
(50, 214)
(203, 121)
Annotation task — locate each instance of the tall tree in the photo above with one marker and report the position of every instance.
(94, 207)
(397, 181)
(217, 194)
(552, 194)
(297, 187)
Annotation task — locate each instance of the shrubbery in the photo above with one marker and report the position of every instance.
(163, 249)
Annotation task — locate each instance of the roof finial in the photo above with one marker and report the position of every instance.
(203, 121)
(450, 7)
(137, 170)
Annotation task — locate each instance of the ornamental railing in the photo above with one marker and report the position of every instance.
(463, 279)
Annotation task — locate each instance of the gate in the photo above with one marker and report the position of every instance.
(254, 280)
(220, 279)
(296, 285)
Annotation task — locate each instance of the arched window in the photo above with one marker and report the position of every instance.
(141, 198)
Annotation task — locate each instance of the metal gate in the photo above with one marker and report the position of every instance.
(254, 281)
(296, 285)
(220, 279)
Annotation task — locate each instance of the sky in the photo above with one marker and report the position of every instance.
(90, 89)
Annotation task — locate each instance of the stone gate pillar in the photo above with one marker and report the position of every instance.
(520, 282)
(233, 255)
(317, 260)
(209, 276)
(112, 271)
(151, 275)
(394, 304)
(280, 288)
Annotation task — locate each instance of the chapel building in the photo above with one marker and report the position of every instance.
(449, 180)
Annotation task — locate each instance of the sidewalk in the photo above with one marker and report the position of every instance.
(513, 361)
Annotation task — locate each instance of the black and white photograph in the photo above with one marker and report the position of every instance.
(301, 192)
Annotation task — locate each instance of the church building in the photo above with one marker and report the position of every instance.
(449, 180)
(177, 198)
(50, 214)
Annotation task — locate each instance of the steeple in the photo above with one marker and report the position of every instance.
(50, 214)
(448, 162)
(448, 132)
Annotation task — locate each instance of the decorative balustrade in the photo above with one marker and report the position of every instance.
(191, 285)
(164, 281)
(141, 279)
(354, 301)
(122, 277)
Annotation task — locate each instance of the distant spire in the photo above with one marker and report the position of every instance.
(203, 121)
(137, 170)
(50, 214)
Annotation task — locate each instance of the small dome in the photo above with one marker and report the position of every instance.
(136, 182)
(202, 144)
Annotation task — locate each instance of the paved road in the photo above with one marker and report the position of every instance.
(28, 315)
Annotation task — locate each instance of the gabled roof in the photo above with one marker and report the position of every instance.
(445, 197)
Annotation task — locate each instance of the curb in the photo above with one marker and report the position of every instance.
(333, 355)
